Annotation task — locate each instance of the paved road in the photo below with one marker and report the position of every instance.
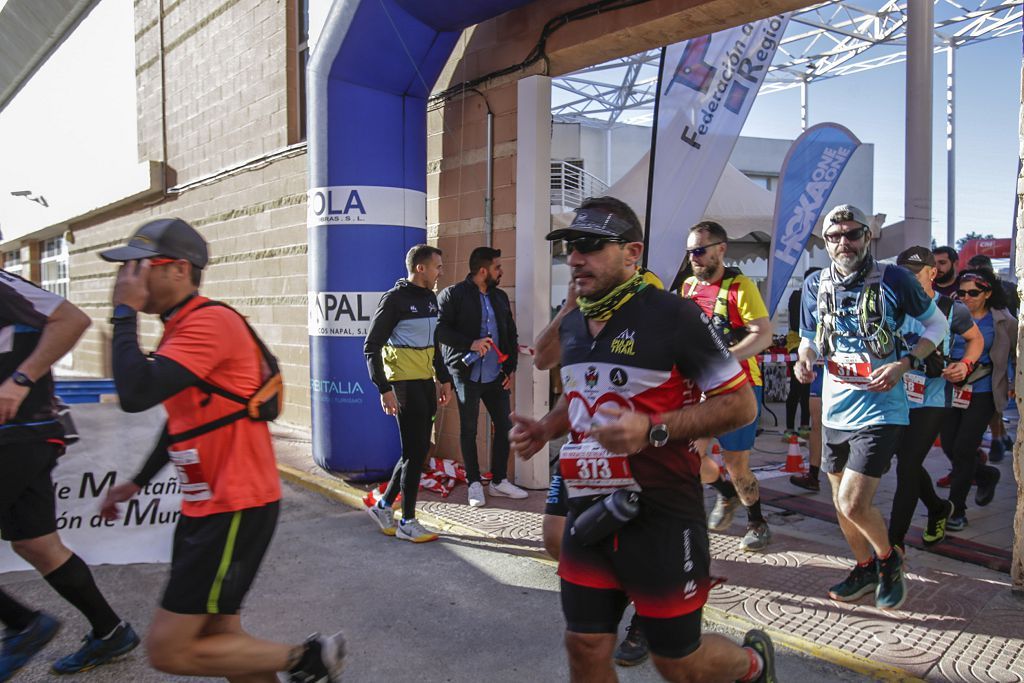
(452, 611)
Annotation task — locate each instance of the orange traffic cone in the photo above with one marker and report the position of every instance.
(716, 456)
(795, 458)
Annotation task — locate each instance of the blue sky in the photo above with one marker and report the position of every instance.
(872, 105)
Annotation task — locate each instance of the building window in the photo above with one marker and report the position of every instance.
(768, 182)
(12, 262)
(298, 56)
(53, 266)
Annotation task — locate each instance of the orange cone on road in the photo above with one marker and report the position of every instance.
(794, 458)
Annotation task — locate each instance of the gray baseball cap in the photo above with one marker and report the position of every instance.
(167, 237)
(846, 212)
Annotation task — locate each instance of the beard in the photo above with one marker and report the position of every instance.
(492, 281)
(849, 260)
(705, 272)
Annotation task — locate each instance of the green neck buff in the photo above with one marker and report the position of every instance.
(603, 308)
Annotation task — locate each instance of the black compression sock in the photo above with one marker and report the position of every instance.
(815, 471)
(724, 487)
(311, 661)
(13, 614)
(75, 583)
(754, 513)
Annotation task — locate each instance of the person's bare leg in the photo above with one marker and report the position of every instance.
(214, 645)
(232, 623)
(857, 497)
(814, 457)
(717, 660)
(552, 529)
(737, 463)
(45, 553)
(590, 657)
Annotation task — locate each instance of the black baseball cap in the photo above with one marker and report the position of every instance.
(167, 237)
(915, 258)
(598, 221)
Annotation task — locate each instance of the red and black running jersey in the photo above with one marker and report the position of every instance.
(658, 353)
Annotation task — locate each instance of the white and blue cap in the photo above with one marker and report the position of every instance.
(846, 212)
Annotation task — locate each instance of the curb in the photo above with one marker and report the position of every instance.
(353, 497)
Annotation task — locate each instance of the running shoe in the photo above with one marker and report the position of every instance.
(986, 485)
(892, 589)
(414, 531)
(476, 495)
(96, 651)
(759, 642)
(997, 450)
(323, 660)
(804, 432)
(633, 649)
(935, 530)
(721, 515)
(805, 481)
(758, 537)
(507, 489)
(957, 523)
(861, 581)
(384, 517)
(788, 434)
(19, 647)
(943, 482)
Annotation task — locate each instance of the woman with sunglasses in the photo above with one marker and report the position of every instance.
(961, 433)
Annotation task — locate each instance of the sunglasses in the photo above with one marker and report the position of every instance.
(700, 251)
(851, 235)
(588, 245)
(162, 261)
(962, 293)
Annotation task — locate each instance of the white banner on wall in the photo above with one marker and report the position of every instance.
(708, 85)
(354, 205)
(145, 531)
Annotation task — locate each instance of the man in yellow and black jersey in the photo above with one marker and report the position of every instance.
(403, 362)
(738, 312)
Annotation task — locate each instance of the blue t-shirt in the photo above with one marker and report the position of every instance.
(847, 405)
(960, 321)
(487, 368)
(988, 331)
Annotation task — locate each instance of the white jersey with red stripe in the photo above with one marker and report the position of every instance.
(658, 353)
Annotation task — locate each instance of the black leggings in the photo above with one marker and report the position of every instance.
(799, 393)
(912, 480)
(961, 436)
(417, 404)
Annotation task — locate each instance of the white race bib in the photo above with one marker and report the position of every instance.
(850, 369)
(915, 384)
(590, 470)
(962, 396)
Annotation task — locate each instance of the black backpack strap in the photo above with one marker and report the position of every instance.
(208, 427)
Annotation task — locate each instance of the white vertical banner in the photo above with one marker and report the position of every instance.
(707, 87)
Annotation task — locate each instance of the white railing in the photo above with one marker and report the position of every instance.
(570, 185)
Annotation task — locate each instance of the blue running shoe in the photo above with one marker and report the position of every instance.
(97, 651)
(892, 587)
(20, 646)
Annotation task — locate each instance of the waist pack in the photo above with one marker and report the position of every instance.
(265, 405)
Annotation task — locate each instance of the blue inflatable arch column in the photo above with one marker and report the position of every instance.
(368, 83)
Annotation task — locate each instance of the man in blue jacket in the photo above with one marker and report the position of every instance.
(480, 345)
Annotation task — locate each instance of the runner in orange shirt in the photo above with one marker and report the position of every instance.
(228, 476)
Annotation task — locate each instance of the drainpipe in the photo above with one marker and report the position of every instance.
(489, 183)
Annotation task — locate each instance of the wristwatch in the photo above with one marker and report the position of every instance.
(21, 379)
(123, 312)
(658, 436)
(915, 362)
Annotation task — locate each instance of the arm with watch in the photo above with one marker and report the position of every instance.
(626, 431)
(885, 377)
(957, 371)
(61, 332)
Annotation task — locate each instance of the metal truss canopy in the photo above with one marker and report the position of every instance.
(825, 40)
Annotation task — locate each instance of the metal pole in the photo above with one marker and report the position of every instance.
(950, 145)
(917, 209)
(803, 104)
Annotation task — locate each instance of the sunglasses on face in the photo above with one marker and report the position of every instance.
(588, 245)
(854, 235)
(963, 293)
(700, 251)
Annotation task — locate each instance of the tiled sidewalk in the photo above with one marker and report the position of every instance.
(961, 622)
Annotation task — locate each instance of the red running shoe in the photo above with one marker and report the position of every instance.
(943, 482)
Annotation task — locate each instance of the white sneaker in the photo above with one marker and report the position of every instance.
(476, 495)
(507, 489)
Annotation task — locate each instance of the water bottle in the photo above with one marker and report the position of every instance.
(470, 358)
(606, 516)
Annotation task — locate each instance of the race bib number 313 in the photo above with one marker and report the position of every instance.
(589, 470)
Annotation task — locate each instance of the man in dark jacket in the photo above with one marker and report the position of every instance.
(480, 344)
